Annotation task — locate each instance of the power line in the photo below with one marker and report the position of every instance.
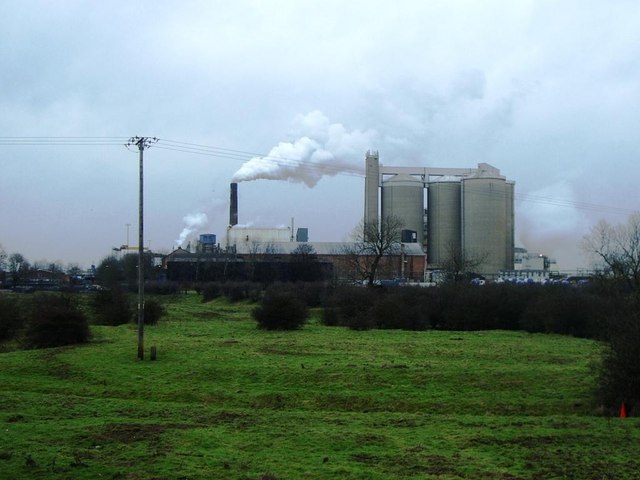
(186, 147)
(52, 141)
(284, 162)
(246, 156)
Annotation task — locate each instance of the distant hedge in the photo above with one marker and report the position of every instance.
(11, 318)
(532, 308)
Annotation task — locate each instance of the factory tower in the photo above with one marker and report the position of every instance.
(469, 211)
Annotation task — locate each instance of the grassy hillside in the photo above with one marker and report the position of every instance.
(225, 400)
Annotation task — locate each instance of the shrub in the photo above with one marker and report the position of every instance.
(351, 307)
(55, 320)
(10, 318)
(233, 291)
(112, 307)
(280, 311)
(153, 311)
(567, 311)
(311, 293)
(400, 309)
(161, 288)
(210, 291)
(239, 291)
(619, 376)
(510, 303)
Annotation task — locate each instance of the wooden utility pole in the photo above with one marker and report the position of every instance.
(141, 143)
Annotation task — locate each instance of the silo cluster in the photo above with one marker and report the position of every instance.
(469, 211)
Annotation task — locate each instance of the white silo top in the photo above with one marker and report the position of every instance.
(403, 180)
(445, 179)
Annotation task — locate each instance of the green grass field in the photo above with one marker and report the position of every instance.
(225, 400)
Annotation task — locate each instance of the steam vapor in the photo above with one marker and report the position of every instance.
(321, 148)
(193, 221)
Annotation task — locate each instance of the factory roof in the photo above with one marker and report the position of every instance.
(321, 248)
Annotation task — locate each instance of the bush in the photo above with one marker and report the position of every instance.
(232, 291)
(153, 311)
(351, 307)
(239, 291)
(161, 288)
(566, 311)
(311, 294)
(10, 318)
(210, 291)
(55, 320)
(280, 311)
(112, 307)
(400, 309)
(619, 376)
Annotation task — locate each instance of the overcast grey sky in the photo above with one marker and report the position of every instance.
(546, 91)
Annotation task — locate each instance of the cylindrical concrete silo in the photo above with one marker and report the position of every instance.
(443, 219)
(371, 188)
(487, 222)
(403, 197)
(510, 230)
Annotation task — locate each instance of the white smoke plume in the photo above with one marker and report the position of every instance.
(321, 148)
(193, 222)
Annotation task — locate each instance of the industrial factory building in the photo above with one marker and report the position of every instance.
(277, 254)
(259, 255)
(469, 211)
(465, 213)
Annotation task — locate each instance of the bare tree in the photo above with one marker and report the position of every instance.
(73, 269)
(372, 242)
(271, 248)
(3, 258)
(304, 252)
(458, 264)
(18, 266)
(257, 249)
(304, 264)
(44, 264)
(616, 248)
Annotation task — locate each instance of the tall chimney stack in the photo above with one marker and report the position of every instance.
(233, 205)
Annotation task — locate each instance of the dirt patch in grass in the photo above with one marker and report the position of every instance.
(416, 449)
(54, 366)
(281, 351)
(275, 401)
(5, 455)
(528, 442)
(394, 365)
(136, 432)
(437, 465)
(207, 315)
(365, 458)
(416, 462)
(413, 462)
(237, 421)
(370, 439)
(400, 423)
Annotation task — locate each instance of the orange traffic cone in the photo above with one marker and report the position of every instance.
(623, 411)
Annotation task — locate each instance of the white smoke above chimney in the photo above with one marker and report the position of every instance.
(321, 148)
(193, 222)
